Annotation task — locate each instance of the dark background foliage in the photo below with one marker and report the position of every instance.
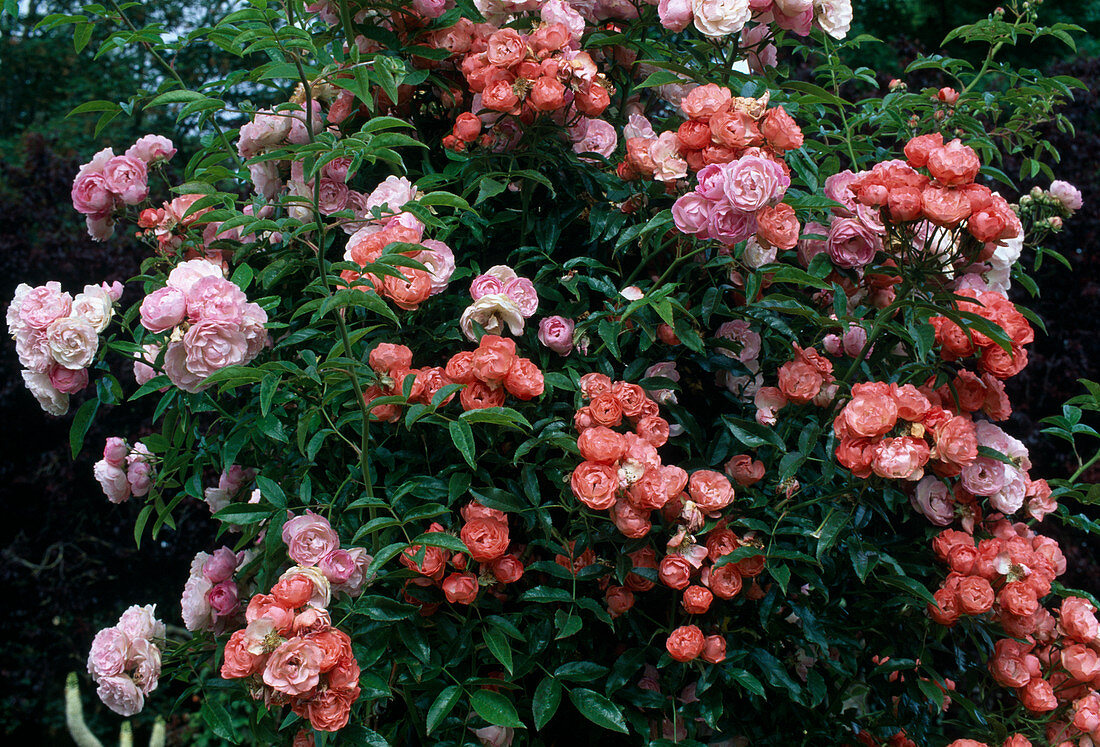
(70, 565)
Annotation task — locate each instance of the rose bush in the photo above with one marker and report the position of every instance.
(704, 496)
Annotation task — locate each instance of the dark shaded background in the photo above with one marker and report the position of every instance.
(69, 563)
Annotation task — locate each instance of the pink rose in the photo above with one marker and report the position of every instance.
(73, 342)
(934, 499)
(522, 292)
(556, 333)
(294, 668)
(729, 225)
(127, 177)
(267, 129)
(484, 285)
(309, 538)
(112, 479)
(220, 566)
(691, 213)
(186, 274)
(1067, 194)
(753, 182)
(140, 621)
(91, 196)
(438, 258)
(212, 298)
(44, 305)
(675, 15)
(140, 477)
(163, 309)
(121, 695)
(223, 599)
(851, 244)
(595, 136)
(212, 345)
(393, 193)
(66, 380)
(110, 649)
(338, 566)
(151, 149)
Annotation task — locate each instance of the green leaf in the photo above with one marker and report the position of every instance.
(244, 513)
(546, 701)
(218, 719)
(179, 96)
(81, 422)
(495, 708)
(598, 709)
(270, 489)
(463, 437)
(498, 645)
(442, 705)
(441, 539)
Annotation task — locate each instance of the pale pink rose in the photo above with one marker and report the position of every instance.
(834, 17)
(850, 244)
(747, 349)
(557, 11)
(665, 153)
(1010, 498)
(483, 285)
(358, 578)
(1067, 194)
(140, 621)
(334, 196)
(720, 17)
(121, 695)
(100, 226)
(691, 213)
(73, 342)
(265, 178)
(594, 136)
(294, 668)
(197, 614)
(393, 193)
(522, 292)
(140, 477)
(114, 290)
(109, 652)
(756, 255)
(495, 312)
(66, 380)
(632, 293)
(267, 129)
(430, 8)
(338, 566)
(838, 188)
(49, 398)
(439, 260)
(95, 306)
(184, 275)
(33, 350)
(44, 305)
(675, 15)
(143, 367)
(252, 326)
(503, 273)
(901, 458)
(213, 298)
(175, 367)
(144, 664)
(212, 345)
(760, 56)
(91, 196)
(301, 132)
(983, 476)
(15, 323)
(494, 736)
(638, 126)
(309, 538)
(753, 182)
(664, 370)
(163, 309)
(934, 499)
(152, 149)
(556, 333)
(127, 177)
(800, 23)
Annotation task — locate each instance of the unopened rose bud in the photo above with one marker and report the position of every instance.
(948, 96)
(1055, 222)
(1036, 192)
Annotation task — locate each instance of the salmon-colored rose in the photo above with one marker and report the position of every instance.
(601, 444)
(487, 539)
(460, 588)
(524, 380)
(710, 490)
(606, 410)
(478, 395)
(595, 485)
(697, 599)
(294, 668)
(674, 571)
(975, 595)
(778, 226)
(493, 358)
(685, 643)
(780, 130)
(595, 384)
(745, 470)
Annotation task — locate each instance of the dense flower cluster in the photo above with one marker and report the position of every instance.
(108, 181)
(486, 536)
(212, 595)
(57, 337)
(718, 18)
(125, 660)
(209, 322)
(957, 343)
(312, 543)
(503, 301)
(493, 371)
(124, 471)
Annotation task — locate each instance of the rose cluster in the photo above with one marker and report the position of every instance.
(313, 544)
(230, 483)
(125, 660)
(524, 76)
(407, 287)
(124, 471)
(492, 371)
(957, 343)
(718, 18)
(107, 181)
(1014, 740)
(808, 378)
(393, 365)
(212, 596)
(292, 655)
(502, 300)
(485, 534)
(209, 321)
(57, 337)
(1049, 660)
